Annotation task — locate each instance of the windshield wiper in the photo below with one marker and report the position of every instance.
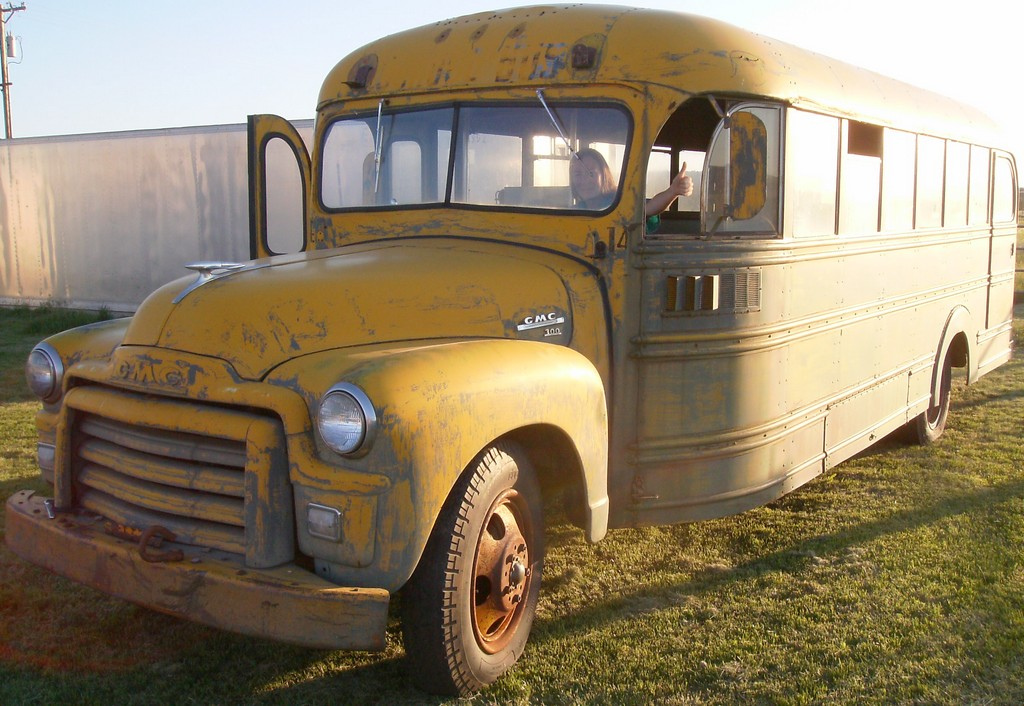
(378, 146)
(555, 121)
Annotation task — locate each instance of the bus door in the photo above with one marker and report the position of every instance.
(1002, 254)
(279, 187)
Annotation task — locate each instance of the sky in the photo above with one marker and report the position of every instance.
(111, 65)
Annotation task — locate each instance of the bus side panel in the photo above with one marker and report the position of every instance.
(838, 350)
(683, 474)
(858, 421)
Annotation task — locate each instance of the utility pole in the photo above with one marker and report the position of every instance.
(5, 12)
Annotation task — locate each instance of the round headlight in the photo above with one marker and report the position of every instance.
(44, 372)
(346, 419)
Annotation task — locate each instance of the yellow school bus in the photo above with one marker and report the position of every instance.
(655, 265)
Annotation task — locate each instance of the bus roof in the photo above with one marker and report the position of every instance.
(537, 46)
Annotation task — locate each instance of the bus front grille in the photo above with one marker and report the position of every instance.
(215, 477)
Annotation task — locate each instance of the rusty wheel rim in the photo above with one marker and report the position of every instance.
(501, 572)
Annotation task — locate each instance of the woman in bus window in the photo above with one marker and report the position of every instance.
(593, 186)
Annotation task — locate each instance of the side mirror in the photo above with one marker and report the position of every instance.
(748, 155)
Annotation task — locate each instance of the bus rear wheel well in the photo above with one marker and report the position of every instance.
(958, 352)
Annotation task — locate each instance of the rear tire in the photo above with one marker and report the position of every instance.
(469, 606)
(928, 427)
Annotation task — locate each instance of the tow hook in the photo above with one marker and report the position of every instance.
(154, 537)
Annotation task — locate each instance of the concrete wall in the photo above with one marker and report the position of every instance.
(102, 220)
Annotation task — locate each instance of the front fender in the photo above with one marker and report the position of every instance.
(95, 341)
(92, 342)
(439, 405)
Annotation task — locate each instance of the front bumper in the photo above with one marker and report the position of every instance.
(285, 603)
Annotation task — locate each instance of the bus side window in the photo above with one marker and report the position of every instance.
(745, 200)
(977, 207)
(860, 181)
(812, 171)
(721, 167)
(683, 216)
(1003, 192)
(659, 171)
(958, 171)
(683, 140)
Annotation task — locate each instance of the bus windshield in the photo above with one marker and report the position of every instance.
(514, 155)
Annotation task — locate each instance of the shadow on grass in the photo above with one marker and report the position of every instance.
(792, 559)
(985, 399)
(108, 648)
(384, 681)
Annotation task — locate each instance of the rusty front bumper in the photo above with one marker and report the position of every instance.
(285, 603)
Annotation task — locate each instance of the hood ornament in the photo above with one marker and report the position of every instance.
(207, 272)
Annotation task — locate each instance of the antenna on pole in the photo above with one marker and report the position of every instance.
(7, 50)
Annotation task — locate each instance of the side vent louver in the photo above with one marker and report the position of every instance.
(738, 291)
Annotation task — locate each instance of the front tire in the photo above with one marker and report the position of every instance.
(469, 606)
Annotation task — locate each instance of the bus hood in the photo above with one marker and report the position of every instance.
(270, 311)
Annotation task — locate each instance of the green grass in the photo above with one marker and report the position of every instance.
(898, 577)
(20, 329)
